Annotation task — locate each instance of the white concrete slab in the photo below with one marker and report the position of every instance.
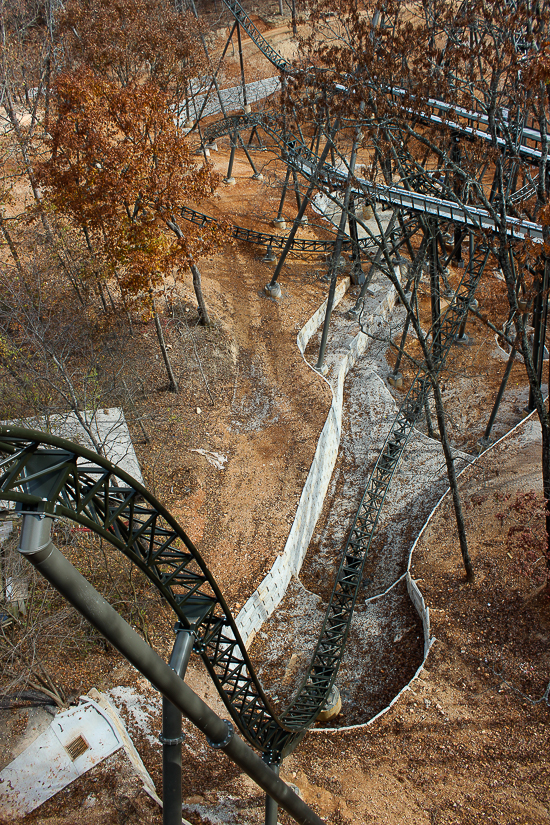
(47, 765)
(108, 427)
(233, 99)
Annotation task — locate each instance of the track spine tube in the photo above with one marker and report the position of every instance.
(38, 548)
(171, 736)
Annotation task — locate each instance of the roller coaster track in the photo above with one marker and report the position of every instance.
(38, 470)
(452, 117)
(443, 113)
(305, 161)
(310, 245)
(257, 37)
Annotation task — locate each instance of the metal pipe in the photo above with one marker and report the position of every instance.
(375, 263)
(271, 807)
(296, 189)
(429, 425)
(243, 81)
(247, 153)
(540, 320)
(36, 545)
(500, 393)
(357, 276)
(282, 201)
(328, 313)
(231, 156)
(300, 215)
(252, 133)
(171, 736)
(337, 251)
(412, 304)
(435, 292)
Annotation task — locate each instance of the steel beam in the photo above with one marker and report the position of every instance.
(37, 547)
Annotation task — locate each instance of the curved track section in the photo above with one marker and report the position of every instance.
(514, 136)
(305, 161)
(38, 470)
(241, 16)
(280, 241)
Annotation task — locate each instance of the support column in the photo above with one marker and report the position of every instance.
(412, 303)
(337, 250)
(303, 219)
(271, 807)
(214, 82)
(357, 275)
(256, 175)
(229, 179)
(246, 107)
(355, 311)
(435, 291)
(540, 320)
(305, 201)
(279, 221)
(254, 132)
(37, 547)
(484, 441)
(171, 736)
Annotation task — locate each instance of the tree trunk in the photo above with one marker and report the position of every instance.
(451, 472)
(12, 247)
(203, 312)
(546, 489)
(173, 386)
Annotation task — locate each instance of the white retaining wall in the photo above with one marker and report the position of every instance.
(271, 591)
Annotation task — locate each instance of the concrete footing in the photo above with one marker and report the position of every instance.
(213, 146)
(332, 707)
(279, 223)
(304, 221)
(396, 381)
(257, 176)
(203, 150)
(247, 109)
(269, 257)
(272, 290)
(229, 181)
(464, 341)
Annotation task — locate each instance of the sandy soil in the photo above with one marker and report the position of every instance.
(468, 742)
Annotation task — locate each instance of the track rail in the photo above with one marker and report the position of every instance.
(257, 37)
(305, 161)
(438, 112)
(299, 244)
(39, 470)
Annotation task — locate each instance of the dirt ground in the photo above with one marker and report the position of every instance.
(468, 742)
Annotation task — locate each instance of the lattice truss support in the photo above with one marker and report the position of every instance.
(434, 191)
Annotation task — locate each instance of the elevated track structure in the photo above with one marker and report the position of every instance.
(46, 474)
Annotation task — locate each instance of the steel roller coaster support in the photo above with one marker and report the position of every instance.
(37, 547)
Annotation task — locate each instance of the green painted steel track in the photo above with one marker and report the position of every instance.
(38, 470)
